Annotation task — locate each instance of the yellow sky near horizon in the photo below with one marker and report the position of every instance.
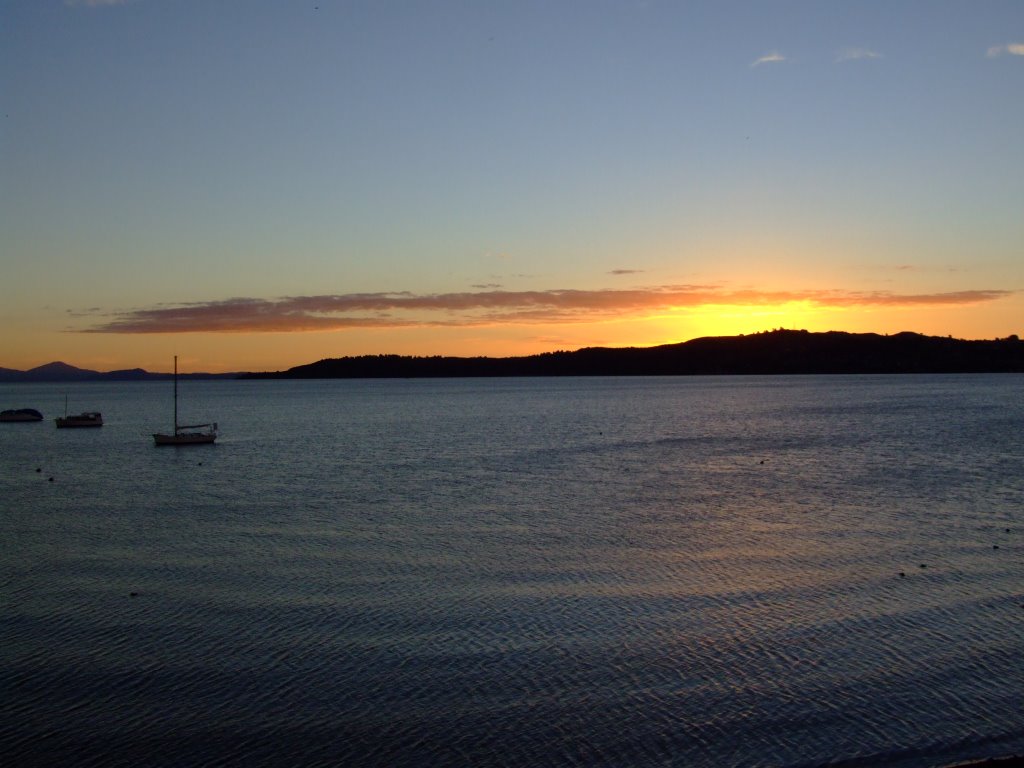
(226, 351)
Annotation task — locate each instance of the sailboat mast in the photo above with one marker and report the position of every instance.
(175, 394)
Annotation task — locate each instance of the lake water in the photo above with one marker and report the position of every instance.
(790, 571)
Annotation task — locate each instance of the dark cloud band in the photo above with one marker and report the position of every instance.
(404, 309)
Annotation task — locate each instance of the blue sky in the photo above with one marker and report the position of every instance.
(261, 184)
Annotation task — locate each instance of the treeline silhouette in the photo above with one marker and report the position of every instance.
(772, 352)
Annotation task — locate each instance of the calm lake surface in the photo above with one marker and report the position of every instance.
(788, 571)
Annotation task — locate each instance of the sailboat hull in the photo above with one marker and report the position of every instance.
(190, 438)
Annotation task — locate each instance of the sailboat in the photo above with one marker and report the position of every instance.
(186, 434)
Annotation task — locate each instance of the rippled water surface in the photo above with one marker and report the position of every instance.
(789, 571)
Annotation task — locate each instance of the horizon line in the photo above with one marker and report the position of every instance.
(1008, 337)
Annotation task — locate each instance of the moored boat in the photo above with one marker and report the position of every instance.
(87, 419)
(84, 419)
(185, 434)
(181, 437)
(21, 414)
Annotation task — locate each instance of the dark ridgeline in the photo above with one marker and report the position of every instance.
(62, 372)
(771, 352)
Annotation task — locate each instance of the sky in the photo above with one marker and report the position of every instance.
(258, 184)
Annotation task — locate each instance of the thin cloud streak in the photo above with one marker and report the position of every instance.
(94, 3)
(768, 58)
(404, 309)
(856, 54)
(1011, 49)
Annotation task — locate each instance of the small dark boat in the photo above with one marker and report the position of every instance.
(87, 419)
(21, 414)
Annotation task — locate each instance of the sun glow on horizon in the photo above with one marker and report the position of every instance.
(736, 319)
(565, 321)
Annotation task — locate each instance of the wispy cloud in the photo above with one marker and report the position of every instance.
(1010, 49)
(856, 54)
(95, 3)
(625, 272)
(768, 58)
(404, 309)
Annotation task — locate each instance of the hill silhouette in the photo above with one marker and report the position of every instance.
(62, 372)
(772, 352)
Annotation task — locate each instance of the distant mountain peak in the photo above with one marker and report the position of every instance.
(59, 371)
(58, 366)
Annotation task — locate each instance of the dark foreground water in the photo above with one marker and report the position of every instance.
(792, 571)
